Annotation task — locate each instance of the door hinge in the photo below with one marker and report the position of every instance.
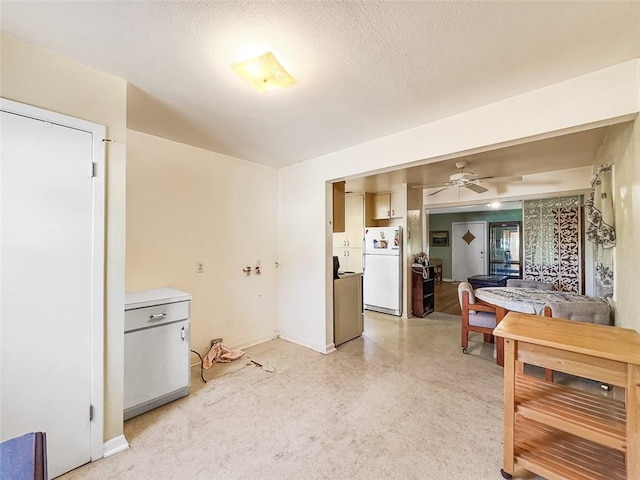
(90, 413)
(94, 169)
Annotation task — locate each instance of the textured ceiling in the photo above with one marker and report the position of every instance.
(364, 69)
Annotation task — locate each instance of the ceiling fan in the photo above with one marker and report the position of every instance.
(467, 180)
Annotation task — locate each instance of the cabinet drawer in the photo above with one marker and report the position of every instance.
(155, 315)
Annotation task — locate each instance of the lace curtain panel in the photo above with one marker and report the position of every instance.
(552, 249)
(601, 228)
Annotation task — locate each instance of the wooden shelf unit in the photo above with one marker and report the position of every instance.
(560, 432)
(555, 454)
(422, 290)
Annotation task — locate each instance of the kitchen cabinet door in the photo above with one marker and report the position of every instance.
(350, 259)
(382, 206)
(396, 205)
(354, 220)
(338, 207)
(388, 205)
(339, 240)
(354, 259)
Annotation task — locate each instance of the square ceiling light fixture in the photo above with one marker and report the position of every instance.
(264, 73)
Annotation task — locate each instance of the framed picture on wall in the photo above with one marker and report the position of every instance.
(439, 239)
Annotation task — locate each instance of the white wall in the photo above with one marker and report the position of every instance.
(47, 80)
(304, 231)
(305, 212)
(187, 205)
(621, 147)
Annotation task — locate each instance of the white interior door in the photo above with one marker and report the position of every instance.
(469, 247)
(48, 287)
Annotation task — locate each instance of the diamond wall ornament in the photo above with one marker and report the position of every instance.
(468, 237)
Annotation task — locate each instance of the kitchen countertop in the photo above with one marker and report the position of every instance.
(348, 275)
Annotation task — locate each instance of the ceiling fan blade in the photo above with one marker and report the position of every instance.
(432, 185)
(437, 191)
(475, 188)
(500, 179)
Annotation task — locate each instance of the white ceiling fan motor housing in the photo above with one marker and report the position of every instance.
(461, 178)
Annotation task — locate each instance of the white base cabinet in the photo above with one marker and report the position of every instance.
(156, 349)
(350, 259)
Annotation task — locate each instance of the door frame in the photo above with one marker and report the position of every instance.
(98, 133)
(484, 244)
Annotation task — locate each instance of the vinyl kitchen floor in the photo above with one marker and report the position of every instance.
(400, 402)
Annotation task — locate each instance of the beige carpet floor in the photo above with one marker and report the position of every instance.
(400, 402)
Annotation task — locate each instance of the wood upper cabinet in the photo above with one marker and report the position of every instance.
(347, 245)
(338, 207)
(387, 205)
(354, 220)
(382, 206)
(397, 205)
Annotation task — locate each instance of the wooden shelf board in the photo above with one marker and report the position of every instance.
(598, 419)
(558, 455)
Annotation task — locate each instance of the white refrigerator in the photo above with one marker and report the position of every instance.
(382, 269)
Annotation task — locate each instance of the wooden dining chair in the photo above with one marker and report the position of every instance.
(476, 317)
(437, 264)
(586, 312)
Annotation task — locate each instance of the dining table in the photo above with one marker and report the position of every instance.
(523, 300)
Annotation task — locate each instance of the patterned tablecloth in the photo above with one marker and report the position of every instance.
(526, 300)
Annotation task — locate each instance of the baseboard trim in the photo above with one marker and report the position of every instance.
(254, 342)
(115, 445)
(135, 410)
(297, 341)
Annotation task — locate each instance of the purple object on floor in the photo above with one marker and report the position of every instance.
(24, 458)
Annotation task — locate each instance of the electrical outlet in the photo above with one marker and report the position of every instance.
(216, 340)
(199, 267)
